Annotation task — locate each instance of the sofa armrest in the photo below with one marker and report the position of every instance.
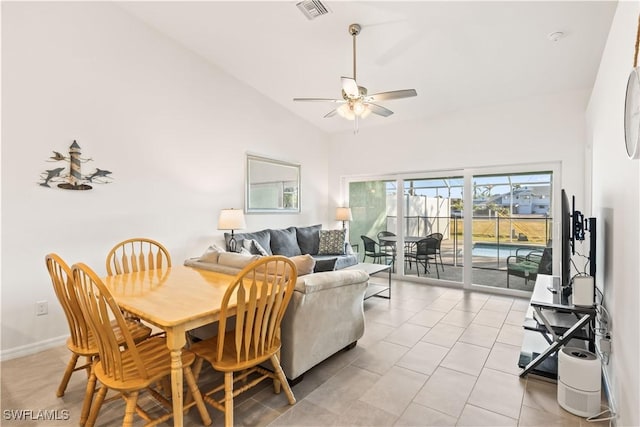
(317, 282)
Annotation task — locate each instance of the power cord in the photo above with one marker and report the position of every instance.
(612, 416)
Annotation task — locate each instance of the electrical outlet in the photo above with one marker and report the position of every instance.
(42, 308)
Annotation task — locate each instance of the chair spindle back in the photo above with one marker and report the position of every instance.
(99, 308)
(258, 296)
(137, 254)
(62, 280)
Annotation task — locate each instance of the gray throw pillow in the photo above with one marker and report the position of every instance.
(254, 247)
(309, 239)
(284, 242)
(332, 242)
(263, 237)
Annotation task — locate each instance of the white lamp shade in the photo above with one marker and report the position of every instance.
(231, 219)
(343, 214)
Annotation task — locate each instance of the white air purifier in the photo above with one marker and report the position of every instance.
(582, 291)
(579, 380)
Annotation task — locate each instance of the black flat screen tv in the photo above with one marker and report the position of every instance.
(567, 241)
(574, 226)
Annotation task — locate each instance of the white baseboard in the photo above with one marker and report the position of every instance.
(28, 349)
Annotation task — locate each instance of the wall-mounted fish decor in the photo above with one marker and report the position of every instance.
(70, 177)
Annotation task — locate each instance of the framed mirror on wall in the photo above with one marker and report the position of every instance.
(272, 186)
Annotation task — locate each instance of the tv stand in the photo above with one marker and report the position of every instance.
(551, 322)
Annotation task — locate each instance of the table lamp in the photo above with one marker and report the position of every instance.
(231, 219)
(344, 215)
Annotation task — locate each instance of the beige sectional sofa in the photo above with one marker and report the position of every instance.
(325, 314)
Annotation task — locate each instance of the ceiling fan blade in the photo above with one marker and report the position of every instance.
(394, 94)
(331, 113)
(379, 110)
(350, 87)
(319, 99)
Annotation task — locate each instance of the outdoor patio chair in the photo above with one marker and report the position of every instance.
(439, 237)
(372, 249)
(527, 263)
(425, 250)
(386, 245)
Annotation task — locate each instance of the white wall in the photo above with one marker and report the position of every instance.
(533, 130)
(172, 128)
(615, 202)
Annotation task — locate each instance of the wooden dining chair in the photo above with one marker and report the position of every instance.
(137, 254)
(262, 291)
(82, 342)
(134, 367)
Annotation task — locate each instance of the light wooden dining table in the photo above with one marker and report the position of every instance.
(176, 300)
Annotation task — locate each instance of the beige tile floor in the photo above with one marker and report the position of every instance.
(430, 356)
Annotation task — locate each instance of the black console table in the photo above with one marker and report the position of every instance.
(551, 322)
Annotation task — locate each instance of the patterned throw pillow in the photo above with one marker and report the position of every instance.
(332, 242)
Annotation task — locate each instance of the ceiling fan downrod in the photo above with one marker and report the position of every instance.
(354, 30)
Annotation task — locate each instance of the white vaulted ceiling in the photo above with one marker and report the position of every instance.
(457, 55)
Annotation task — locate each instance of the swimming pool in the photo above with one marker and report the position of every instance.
(504, 250)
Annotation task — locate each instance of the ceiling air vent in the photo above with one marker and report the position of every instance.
(312, 8)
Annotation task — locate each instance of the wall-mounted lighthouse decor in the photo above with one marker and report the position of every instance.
(70, 176)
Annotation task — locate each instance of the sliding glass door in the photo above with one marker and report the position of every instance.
(433, 238)
(512, 227)
(478, 227)
(374, 210)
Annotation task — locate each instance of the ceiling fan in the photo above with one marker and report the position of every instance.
(356, 102)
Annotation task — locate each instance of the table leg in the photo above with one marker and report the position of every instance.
(175, 342)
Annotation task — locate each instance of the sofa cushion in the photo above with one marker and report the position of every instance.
(312, 283)
(263, 237)
(284, 242)
(304, 265)
(326, 264)
(309, 239)
(219, 268)
(332, 242)
(345, 261)
(232, 259)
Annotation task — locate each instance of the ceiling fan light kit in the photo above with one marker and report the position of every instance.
(356, 103)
